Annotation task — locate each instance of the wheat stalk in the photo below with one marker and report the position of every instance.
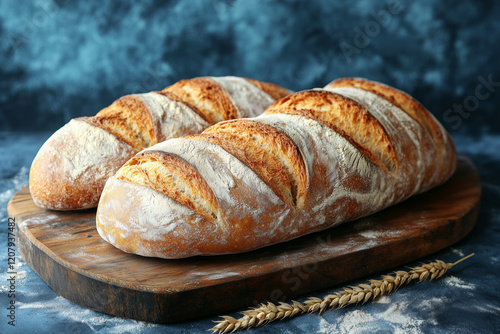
(361, 293)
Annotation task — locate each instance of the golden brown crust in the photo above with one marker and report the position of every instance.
(59, 182)
(268, 152)
(134, 122)
(128, 119)
(400, 99)
(345, 117)
(49, 192)
(211, 100)
(133, 241)
(275, 91)
(173, 177)
(305, 177)
(262, 162)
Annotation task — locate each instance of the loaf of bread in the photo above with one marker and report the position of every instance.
(71, 168)
(313, 160)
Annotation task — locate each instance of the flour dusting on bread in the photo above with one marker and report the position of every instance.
(249, 100)
(99, 152)
(172, 118)
(71, 168)
(358, 152)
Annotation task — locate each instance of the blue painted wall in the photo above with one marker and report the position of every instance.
(66, 58)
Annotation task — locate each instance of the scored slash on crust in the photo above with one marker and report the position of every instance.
(270, 153)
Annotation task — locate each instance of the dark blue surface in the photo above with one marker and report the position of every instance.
(65, 59)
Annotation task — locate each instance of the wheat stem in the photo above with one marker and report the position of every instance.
(361, 293)
(462, 259)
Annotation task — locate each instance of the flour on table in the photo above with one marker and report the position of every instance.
(402, 322)
(487, 308)
(458, 283)
(383, 300)
(18, 181)
(395, 319)
(433, 307)
(355, 321)
(70, 315)
(459, 252)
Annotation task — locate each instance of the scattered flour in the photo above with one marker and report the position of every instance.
(395, 319)
(459, 252)
(458, 283)
(487, 308)
(325, 327)
(218, 275)
(400, 320)
(433, 303)
(370, 234)
(65, 309)
(383, 300)
(433, 307)
(352, 322)
(16, 183)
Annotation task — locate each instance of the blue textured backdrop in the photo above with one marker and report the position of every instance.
(66, 58)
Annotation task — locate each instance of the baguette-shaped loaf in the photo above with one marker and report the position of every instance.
(71, 168)
(313, 160)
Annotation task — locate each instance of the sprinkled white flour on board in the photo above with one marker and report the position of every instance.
(370, 234)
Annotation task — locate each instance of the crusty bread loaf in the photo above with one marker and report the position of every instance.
(72, 167)
(313, 160)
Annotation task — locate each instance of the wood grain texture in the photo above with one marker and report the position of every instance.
(65, 250)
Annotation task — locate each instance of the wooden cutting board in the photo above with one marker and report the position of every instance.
(65, 250)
